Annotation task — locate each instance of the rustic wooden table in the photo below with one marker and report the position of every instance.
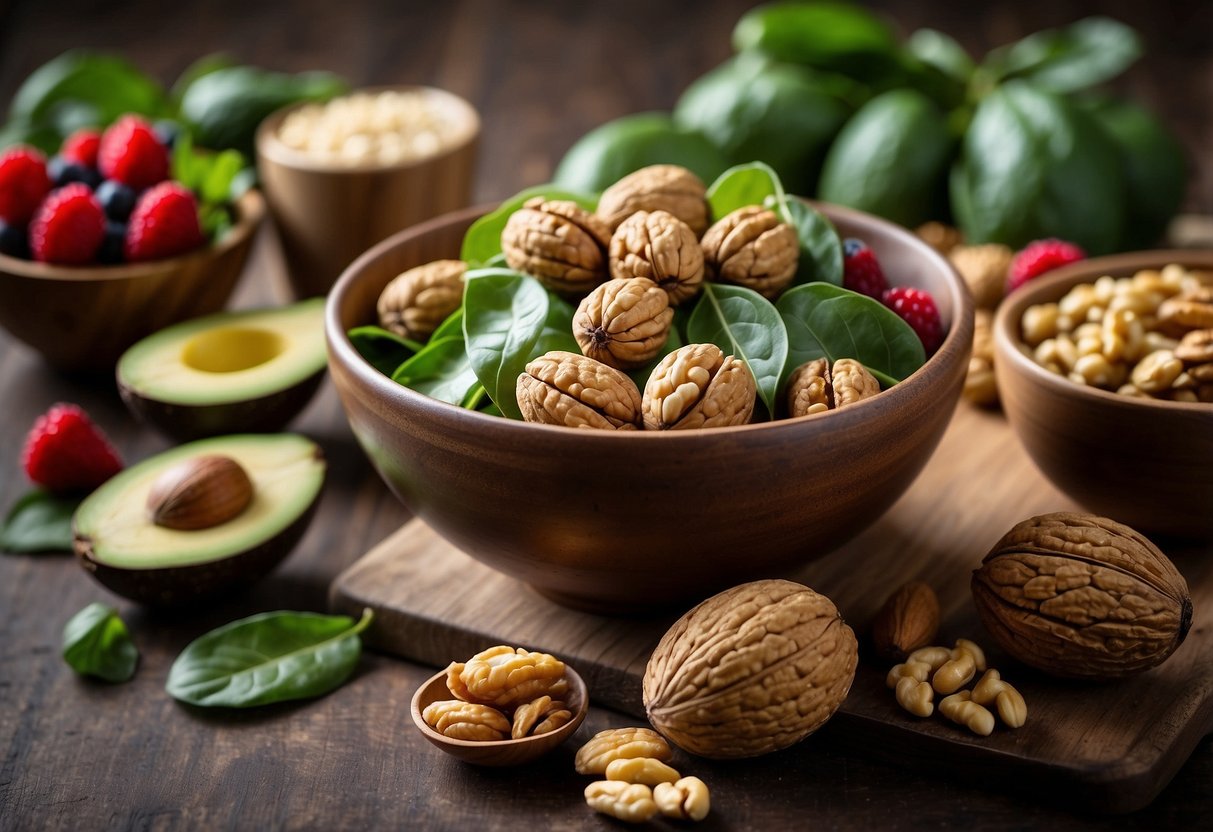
(78, 755)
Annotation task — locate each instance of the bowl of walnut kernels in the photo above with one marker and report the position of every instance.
(1105, 369)
(619, 520)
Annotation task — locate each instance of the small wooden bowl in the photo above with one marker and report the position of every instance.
(1145, 463)
(500, 752)
(327, 215)
(84, 318)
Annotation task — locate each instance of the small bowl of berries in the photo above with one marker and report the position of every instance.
(121, 233)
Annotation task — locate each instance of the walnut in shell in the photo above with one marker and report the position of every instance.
(697, 386)
(751, 670)
(563, 388)
(418, 300)
(984, 269)
(815, 387)
(1081, 596)
(752, 247)
(668, 188)
(623, 323)
(908, 620)
(559, 243)
(661, 247)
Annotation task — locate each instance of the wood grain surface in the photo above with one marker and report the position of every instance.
(80, 755)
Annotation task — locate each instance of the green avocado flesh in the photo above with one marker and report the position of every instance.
(287, 472)
(229, 357)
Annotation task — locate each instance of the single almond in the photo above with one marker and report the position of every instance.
(908, 620)
(199, 493)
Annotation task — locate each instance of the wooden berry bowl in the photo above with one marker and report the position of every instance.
(500, 752)
(1142, 462)
(83, 318)
(624, 521)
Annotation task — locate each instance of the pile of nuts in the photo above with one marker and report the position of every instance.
(931, 670)
(1148, 336)
(502, 693)
(639, 782)
(382, 128)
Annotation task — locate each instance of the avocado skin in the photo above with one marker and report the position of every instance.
(266, 414)
(178, 584)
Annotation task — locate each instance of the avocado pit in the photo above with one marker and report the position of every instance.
(200, 493)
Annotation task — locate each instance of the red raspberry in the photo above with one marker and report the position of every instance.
(163, 224)
(131, 153)
(65, 452)
(917, 308)
(23, 184)
(1039, 257)
(68, 227)
(861, 270)
(82, 147)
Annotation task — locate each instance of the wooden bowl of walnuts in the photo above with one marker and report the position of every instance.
(620, 521)
(1105, 369)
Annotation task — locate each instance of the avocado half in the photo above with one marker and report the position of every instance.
(117, 542)
(253, 370)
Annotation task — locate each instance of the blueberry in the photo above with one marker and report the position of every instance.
(117, 199)
(13, 241)
(112, 243)
(851, 247)
(167, 132)
(63, 172)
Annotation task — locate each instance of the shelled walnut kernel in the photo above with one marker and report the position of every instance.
(639, 783)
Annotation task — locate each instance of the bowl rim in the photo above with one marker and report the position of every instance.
(955, 348)
(575, 683)
(250, 211)
(1050, 287)
(267, 145)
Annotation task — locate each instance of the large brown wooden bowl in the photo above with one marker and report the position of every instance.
(619, 522)
(1145, 463)
(83, 318)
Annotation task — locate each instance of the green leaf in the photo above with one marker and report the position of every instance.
(1083, 54)
(452, 326)
(831, 322)
(504, 313)
(441, 371)
(96, 643)
(820, 246)
(742, 185)
(383, 350)
(203, 66)
(39, 522)
(557, 331)
(482, 242)
(270, 657)
(745, 324)
(941, 51)
(108, 84)
(828, 35)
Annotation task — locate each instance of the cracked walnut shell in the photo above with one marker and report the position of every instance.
(752, 670)
(752, 247)
(563, 388)
(661, 247)
(668, 188)
(623, 323)
(418, 300)
(1081, 596)
(697, 386)
(505, 677)
(559, 243)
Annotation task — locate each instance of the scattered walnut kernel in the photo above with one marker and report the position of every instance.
(631, 802)
(687, 799)
(605, 747)
(646, 770)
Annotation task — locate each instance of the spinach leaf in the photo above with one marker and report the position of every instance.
(453, 325)
(98, 86)
(749, 184)
(441, 370)
(825, 34)
(831, 322)
(504, 313)
(745, 324)
(96, 643)
(39, 522)
(820, 247)
(941, 51)
(383, 350)
(213, 177)
(270, 657)
(482, 242)
(557, 329)
(202, 66)
(1083, 54)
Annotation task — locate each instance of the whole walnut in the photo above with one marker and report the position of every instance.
(661, 247)
(657, 188)
(984, 269)
(623, 323)
(418, 300)
(749, 671)
(697, 386)
(815, 387)
(752, 247)
(563, 388)
(559, 243)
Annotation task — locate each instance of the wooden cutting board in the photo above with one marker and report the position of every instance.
(1109, 747)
